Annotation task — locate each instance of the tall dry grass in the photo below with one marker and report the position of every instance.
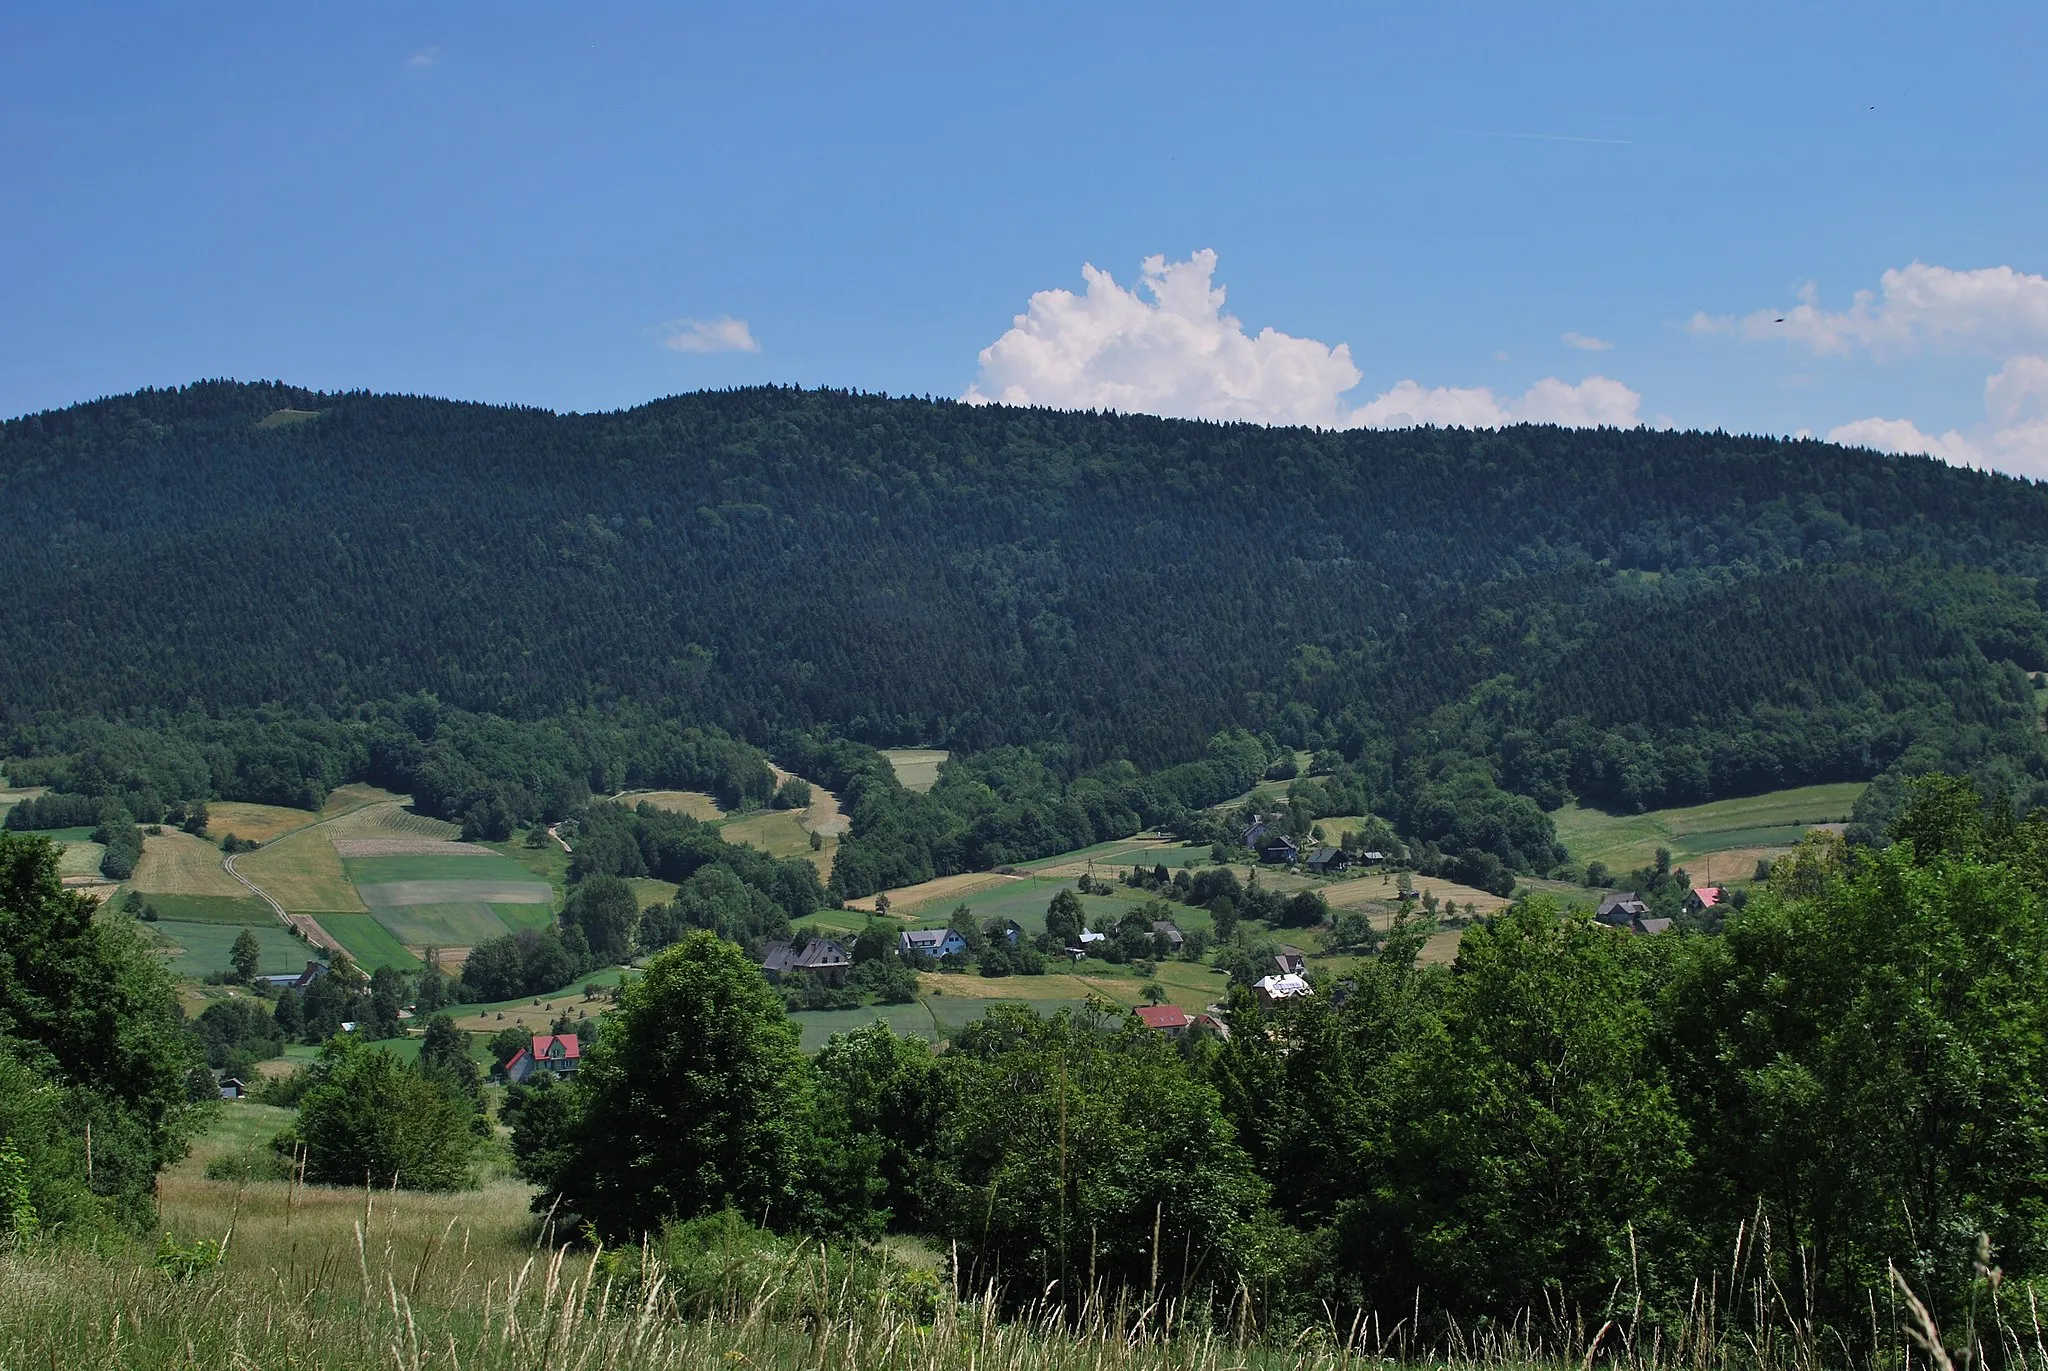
(336, 1280)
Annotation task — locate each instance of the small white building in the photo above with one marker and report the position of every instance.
(1272, 988)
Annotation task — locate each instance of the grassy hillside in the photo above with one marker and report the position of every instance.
(1721, 841)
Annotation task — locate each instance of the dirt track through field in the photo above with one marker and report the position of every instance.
(301, 924)
(304, 925)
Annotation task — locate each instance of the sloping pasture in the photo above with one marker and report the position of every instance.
(175, 863)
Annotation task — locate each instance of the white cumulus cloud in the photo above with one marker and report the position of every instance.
(723, 334)
(1166, 346)
(2013, 438)
(1593, 402)
(1990, 309)
(1176, 353)
(1585, 342)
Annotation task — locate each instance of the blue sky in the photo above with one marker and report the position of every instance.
(587, 207)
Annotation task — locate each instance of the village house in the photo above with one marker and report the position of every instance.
(1624, 911)
(556, 1054)
(1168, 930)
(1291, 960)
(297, 980)
(1328, 861)
(820, 957)
(1255, 832)
(1280, 851)
(1169, 1019)
(935, 943)
(1702, 898)
(1271, 989)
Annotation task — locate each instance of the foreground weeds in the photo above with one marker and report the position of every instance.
(276, 1276)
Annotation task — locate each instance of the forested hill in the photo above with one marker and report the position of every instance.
(1631, 615)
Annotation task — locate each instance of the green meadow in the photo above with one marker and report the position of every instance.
(203, 948)
(369, 943)
(211, 909)
(425, 867)
(1773, 820)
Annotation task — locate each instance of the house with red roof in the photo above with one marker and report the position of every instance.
(557, 1054)
(1704, 897)
(1169, 1019)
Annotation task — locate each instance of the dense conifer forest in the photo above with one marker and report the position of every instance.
(268, 590)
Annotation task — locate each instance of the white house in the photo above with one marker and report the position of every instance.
(1271, 988)
(936, 943)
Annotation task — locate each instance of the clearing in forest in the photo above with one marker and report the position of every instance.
(1721, 840)
(916, 767)
(650, 891)
(9, 798)
(694, 803)
(777, 832)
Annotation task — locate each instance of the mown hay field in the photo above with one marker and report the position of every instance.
(175, 863)
(257, 823)
(302, 872)
(917, 768)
